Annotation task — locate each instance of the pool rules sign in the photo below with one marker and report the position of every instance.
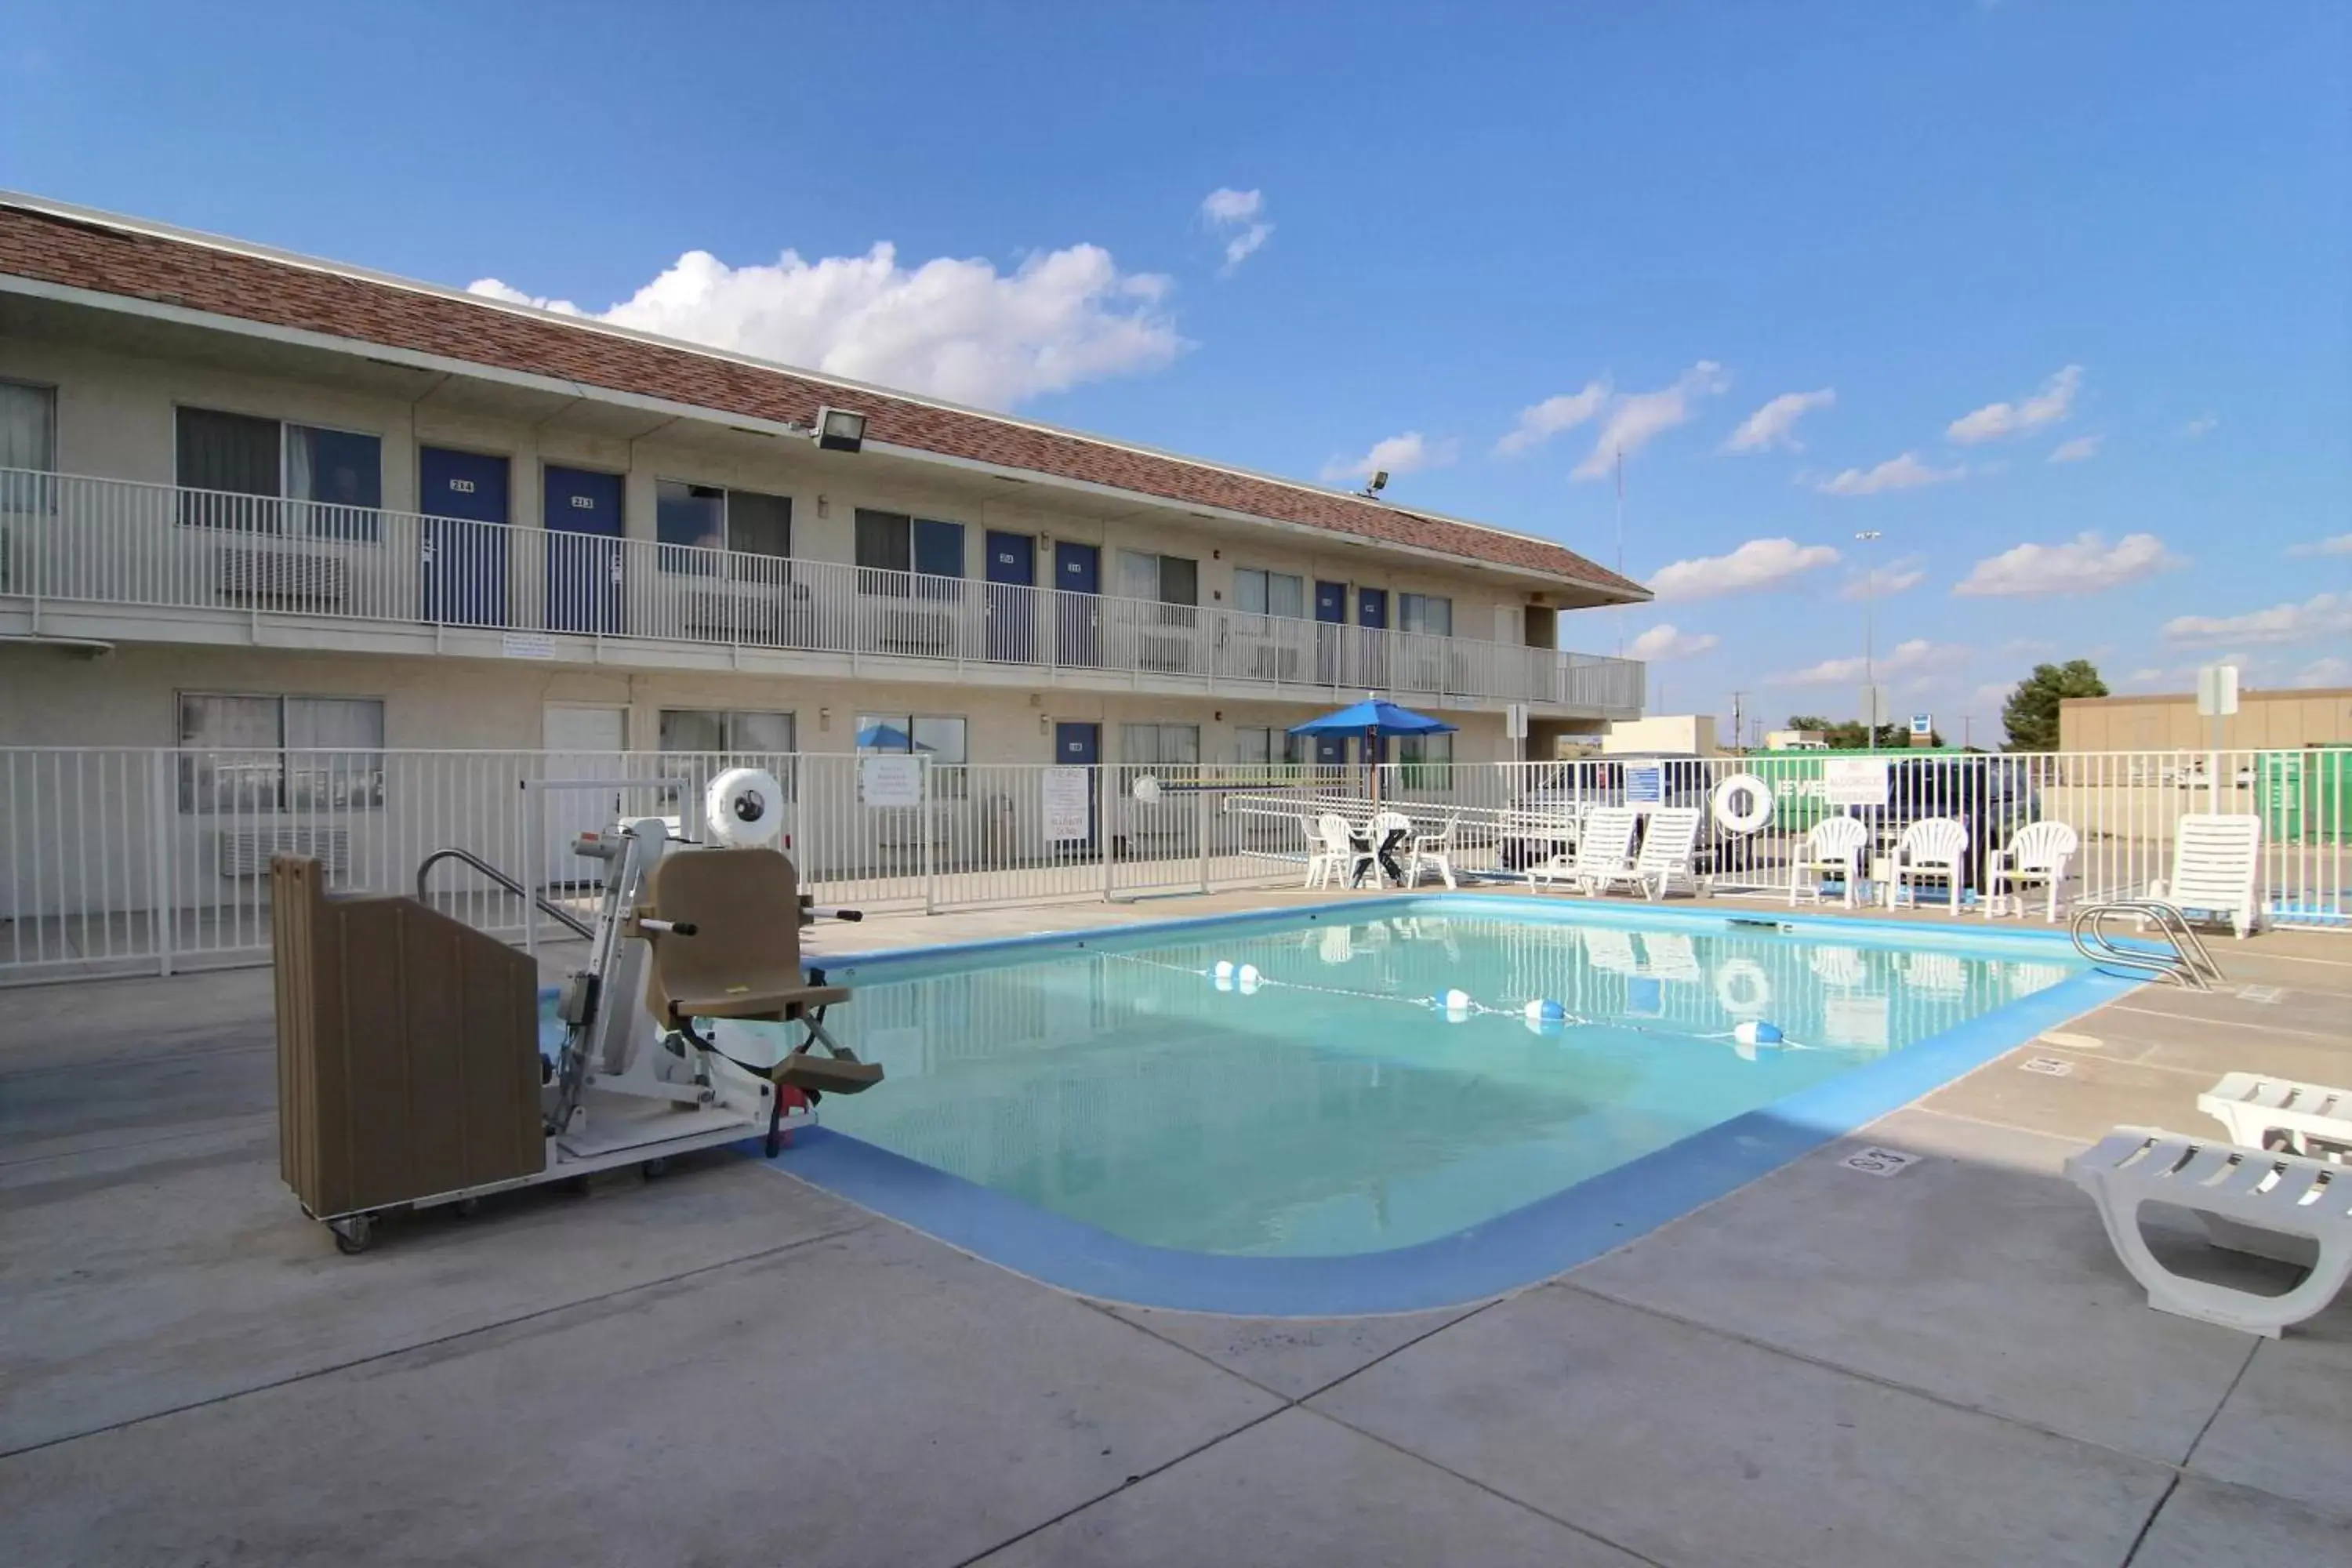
(1069, 792)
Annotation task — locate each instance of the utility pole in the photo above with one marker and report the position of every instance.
(1739, 726)
(1621, 546)
(1869, 665)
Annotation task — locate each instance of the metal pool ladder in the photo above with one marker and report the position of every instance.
(2184, 961)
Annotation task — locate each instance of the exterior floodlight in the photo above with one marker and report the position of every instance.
(839, 430)
(1378, 482)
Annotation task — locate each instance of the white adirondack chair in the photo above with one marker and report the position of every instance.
(1605, 849)
(2216, 859)
(1933, 847)
(1667, 845)
(1835, 846)
(2037, 856)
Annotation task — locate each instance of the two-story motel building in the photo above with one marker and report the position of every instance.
(250, 499)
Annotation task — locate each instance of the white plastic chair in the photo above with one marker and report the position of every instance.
(1931, 846)
(1433, 851)
(1604, 849)
(2215, 861)
(1318, 853)
(2038, 854)
(1835, 846)
(1342, 858)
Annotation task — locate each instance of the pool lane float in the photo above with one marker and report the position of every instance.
(1742, 804)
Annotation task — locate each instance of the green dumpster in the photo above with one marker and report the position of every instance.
(2306, 796)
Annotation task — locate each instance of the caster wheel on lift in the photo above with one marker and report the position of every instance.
(465, 1208)
(353, 1235)
(655, 1168)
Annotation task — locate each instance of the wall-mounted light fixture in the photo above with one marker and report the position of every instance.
(824, 719)
(1045, 723)
(840, 430)
(824, 506)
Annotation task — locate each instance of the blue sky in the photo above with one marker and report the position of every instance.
(1988, 230)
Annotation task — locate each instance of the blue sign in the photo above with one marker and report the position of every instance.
(1646, 785)
(1923, 723)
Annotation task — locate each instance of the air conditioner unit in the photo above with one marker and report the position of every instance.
(245, 851)
(915, 628)
(283, 579)
(1167, 652)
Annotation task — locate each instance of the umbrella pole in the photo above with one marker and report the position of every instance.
(1372, 756)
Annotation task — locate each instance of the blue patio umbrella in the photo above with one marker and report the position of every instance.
(889, 737)
(1371, 718)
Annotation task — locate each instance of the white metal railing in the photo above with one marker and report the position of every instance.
(147, 860)
(153, 860)
(70, 539)
(2123, 806)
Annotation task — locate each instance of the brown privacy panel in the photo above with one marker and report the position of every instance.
(407, 1049)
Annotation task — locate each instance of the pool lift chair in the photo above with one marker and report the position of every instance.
(691, 1025)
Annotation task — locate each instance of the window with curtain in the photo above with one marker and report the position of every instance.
(940, 737)
(691, 519)
(28, 441)
(1160, 745)
(1431, 614)
(1268, 745)
(1261, 592)
(259, 753)
(340, 474)
(727, 732)
(1167, 579)
(1425, 761)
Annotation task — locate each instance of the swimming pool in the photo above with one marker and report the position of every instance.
(1242, 1112)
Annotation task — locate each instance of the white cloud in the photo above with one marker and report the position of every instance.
(954, 328)
(2047, 407)
(1539, 422)
(1905, 472)
(1400, 454)
(1897, 576)
(1775, 423)
(1663, 641)
(1634, 419)
(2203, 425)
(2147, 677)
(2081, 449)
(2086, 564)
(1241, 216)
(1758, 563)
(2322, 615)
(1902, 658)
(2340, 544)
(2328, 671)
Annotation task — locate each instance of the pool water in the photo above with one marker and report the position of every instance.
(1323, 1106)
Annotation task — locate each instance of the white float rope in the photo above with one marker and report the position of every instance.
(1540, 1013)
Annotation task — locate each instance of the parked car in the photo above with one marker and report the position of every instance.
(1562, 793)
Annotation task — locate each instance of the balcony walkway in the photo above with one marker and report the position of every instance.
(112, 559)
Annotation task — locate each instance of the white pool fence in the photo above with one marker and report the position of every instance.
(151, 860)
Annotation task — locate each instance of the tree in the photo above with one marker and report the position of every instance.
(2030, 714)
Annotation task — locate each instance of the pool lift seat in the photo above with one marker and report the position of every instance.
(724, 930)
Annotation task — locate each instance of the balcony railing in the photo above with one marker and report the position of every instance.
(66, 539)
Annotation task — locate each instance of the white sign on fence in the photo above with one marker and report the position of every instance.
(885, 778)
(1645, 784)
(1067, 792)
(527, 644)
(1854, 781)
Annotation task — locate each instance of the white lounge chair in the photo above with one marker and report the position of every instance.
(1340, 857)
(1611, 950)
(2216, 858)
(1604, 849)
(1434, 851)
(2267, 1112)
(1668, 843)
(1933, 847)
(2282, 1206)
(1670, 957)
(2036, 857)
(1833, 846)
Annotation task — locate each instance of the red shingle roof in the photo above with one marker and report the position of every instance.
(136, 263)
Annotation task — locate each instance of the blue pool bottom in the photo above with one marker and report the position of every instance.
(1513, 1250)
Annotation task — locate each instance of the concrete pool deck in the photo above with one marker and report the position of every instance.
(1943, 1366)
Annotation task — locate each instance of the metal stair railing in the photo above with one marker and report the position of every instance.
(467, 856)
(2185, 963)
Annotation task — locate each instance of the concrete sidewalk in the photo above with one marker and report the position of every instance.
(1943, 1366)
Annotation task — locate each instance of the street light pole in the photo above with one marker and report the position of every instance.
(1869, 660)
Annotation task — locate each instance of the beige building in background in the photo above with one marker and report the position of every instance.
(2265, 720)
(252, 500)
